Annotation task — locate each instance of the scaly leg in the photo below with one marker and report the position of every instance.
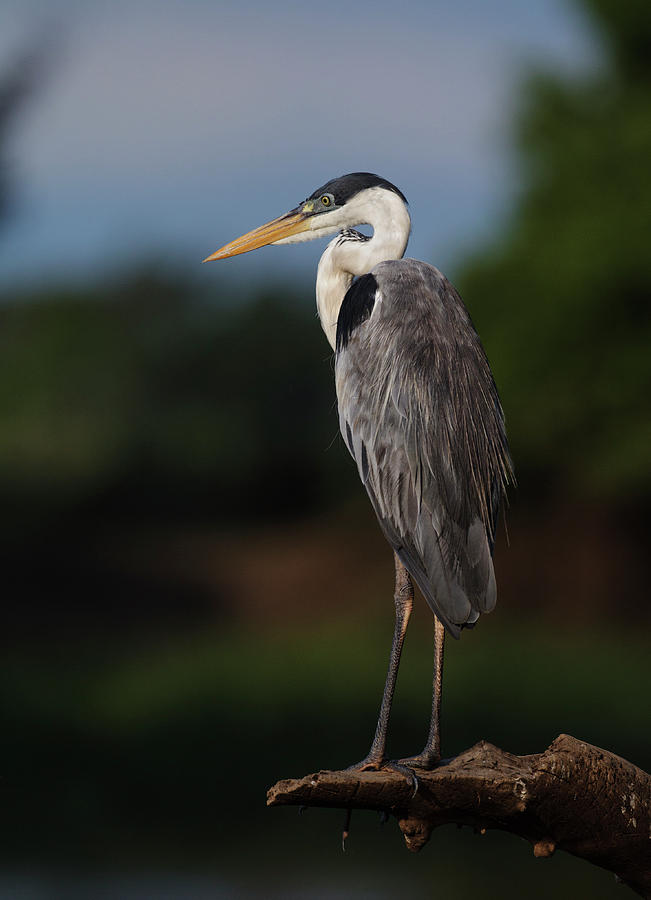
(431, 753)
(404, 601)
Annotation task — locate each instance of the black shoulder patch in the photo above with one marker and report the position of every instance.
(356, 307)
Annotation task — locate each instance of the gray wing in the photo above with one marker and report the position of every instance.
(419, 411)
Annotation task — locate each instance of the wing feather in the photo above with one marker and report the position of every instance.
(421, 416)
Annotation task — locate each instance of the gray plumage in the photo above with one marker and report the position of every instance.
(420, 413)
(418, 409)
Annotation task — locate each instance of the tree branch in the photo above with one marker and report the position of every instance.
(573, 797)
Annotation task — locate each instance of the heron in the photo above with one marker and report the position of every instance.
(418, 409)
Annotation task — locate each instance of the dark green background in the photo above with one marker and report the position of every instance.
(197, 600)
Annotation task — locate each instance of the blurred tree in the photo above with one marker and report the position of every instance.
(17, 83)
(565, 292)
(139, 398)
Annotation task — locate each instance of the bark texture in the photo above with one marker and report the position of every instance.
(572, 797)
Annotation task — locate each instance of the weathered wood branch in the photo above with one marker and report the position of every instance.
(572, 797)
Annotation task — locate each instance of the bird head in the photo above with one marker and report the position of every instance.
(341, 202)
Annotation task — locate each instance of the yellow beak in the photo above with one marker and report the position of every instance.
(291, 223)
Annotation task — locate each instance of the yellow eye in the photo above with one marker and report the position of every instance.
(325, 200)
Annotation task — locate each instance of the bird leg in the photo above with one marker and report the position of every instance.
(431, 753)
(404, 601)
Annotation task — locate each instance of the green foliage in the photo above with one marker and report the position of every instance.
(156, 739)
(562, 300)
(626, 30)
(143, 396)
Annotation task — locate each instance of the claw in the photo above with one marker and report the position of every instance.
(422, 761)
(372, 765)
(366, 765)
(346, 831)
(400, 767)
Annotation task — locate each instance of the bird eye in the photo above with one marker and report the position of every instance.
(325, 200)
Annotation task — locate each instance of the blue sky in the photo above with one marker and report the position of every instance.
(168, 128)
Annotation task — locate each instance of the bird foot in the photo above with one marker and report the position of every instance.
(403, 767)
(426, 760)
(371, 764)
(368, 764)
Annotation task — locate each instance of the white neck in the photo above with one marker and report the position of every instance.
(343, 259)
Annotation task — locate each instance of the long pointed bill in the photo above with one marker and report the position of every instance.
(284, 226)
